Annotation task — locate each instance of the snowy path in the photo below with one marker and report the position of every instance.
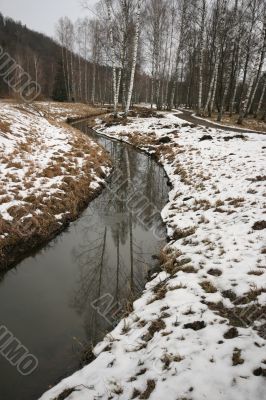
(191, 118)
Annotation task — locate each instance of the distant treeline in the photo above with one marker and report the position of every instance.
(36, 53)
(62, 74)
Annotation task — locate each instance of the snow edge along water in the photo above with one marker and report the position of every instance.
(197, 330)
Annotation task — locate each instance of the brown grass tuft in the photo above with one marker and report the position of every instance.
(150, 388)
(183, 233)
(208, 287)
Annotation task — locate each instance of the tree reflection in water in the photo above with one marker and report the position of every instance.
(117, 249)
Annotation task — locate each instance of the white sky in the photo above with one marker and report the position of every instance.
(42, 15)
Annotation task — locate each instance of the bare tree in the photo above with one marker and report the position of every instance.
(135, 52)
(201, 49)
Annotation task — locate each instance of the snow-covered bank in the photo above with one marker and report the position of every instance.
(48, 173)
(64, 111)
(198, 331)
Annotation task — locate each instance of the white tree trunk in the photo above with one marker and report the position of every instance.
(261, 98)
(212, 87)
(255, 74)
(229, 65)
(262, 57)
(201, 44)
(108, 3)
(214, 91)
(135, 53)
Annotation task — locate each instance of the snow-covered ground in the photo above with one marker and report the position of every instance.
(61, 111)
(198, 331)
(47, 169)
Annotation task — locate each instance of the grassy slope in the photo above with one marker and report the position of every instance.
(49, 172)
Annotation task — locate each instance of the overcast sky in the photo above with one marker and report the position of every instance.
(42, 15)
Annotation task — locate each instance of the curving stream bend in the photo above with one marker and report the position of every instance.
(56, 302)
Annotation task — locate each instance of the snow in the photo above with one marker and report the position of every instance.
(215, 191)
(30, 144)
(222, 125)
(62, 111)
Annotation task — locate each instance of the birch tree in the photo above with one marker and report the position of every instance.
(183, 24)
(255, 75)
(231, 32)
(116, 79)
(261, 62)
(261, 96)
(201, 49)
(219, 14)
(135, 52)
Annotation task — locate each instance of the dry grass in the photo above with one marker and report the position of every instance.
(236, 202)
(4, 127)
(236, 357)
(240, 316)
(149, 389)
(65, 394)
(72, 194)
(215, 272)
(167, 359)
(183, 233)
(250, 296)
(208, 287)
(63, 110)
(155, 326)
(259, 225)
(255, 272)
(231, 333)
(168, 258)
(159, 291)
(139, 140)
(249, 123)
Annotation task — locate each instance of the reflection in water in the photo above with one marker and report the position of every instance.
(76, 286)
(115, 260)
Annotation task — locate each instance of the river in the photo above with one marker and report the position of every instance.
(56, 301)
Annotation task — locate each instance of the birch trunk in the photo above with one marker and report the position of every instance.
(250, 102)
(135, 53)
(86, 65)
(221, 16)
(230, 65)
(241, 103)
(80, 84)
(108, 2)
(118, 81)
(255, 75)
(72, 77)
(235, 81)
(171, 105)
(261, 98)
(93, 83)
(170, 60)
(201, 41)
(68, 76)
(213, 92)
(179, 49)
(212, 87)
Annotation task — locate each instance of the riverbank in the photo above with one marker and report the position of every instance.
(198, 331)
(49, 173)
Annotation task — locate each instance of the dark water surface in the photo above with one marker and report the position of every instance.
(49, 301)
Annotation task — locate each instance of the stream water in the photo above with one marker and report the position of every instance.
(66, 297)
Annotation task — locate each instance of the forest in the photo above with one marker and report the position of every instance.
(204, 55)
(132, 200)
